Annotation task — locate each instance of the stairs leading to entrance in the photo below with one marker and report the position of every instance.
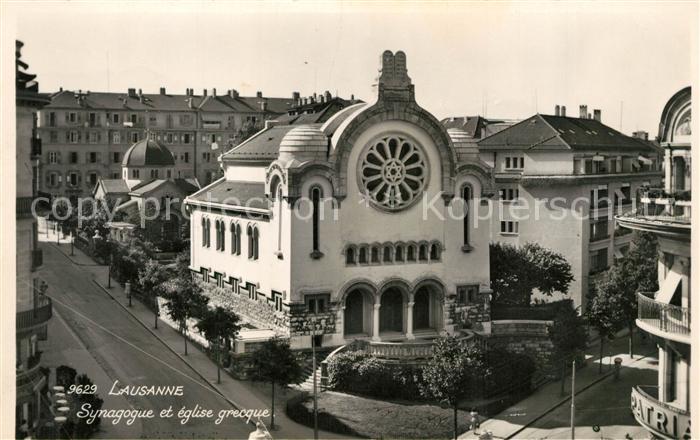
(308, 384)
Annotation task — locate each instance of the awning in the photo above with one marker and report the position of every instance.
(668, 288)
(597, 158)
(645, 160)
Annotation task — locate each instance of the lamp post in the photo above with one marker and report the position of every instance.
(313, 363)
(127, 290)
(72, 238)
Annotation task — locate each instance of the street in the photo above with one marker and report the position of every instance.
(88, 320)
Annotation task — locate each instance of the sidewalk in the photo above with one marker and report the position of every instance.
(513, 420)
(240, 394)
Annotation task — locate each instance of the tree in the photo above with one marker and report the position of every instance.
(274, 362)
(127, 262)
(454, 372)
(568, 335)
(605, 314)
(636, 272)
(185, 300)
(152, 278)
(219, 327)
(517, 271)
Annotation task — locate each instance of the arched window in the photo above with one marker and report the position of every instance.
(350, 255)
(238, 239)
(217, 226)
(208, 233)
(467, 200)
(204, 232)
(256, 242)
(375, 254)
(222, 240)
(249, 233)
(316, 195)
(279, 218)
(423, 252)
(387, 254)
(410, 253)
(435, 252)
(363, 255)
(234, 241)
(398, 256)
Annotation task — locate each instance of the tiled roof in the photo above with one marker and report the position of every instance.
(234, 193)
(561, 132)
(114, 186)
(148, 187)
(262, 146)
(477, 126)
(166, 102)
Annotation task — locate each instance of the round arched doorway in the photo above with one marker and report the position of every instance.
(391, 311)
(356, 316)
(427, 308)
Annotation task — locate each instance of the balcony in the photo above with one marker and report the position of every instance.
(36, 147)
(664, 320)
(23, 207)
(37, 316)
(37, 259)
(660, 211)
(659, 418)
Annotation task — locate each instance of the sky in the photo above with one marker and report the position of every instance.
(502, 60)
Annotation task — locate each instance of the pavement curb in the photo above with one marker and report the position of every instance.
(564, 400)
(172, 350)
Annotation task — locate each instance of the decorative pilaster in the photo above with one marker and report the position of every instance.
(409, 320)
(375, 323)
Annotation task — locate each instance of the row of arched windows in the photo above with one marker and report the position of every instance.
(389, 253)
(235, 230)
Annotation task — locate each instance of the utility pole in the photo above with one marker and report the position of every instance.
(573, 399)
(313, 363)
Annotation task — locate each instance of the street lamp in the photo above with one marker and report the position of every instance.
(313, 363)
(96, 238)
(72, 239)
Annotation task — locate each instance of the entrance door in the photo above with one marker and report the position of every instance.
(391, 311)
(421, 309)
(354, 313)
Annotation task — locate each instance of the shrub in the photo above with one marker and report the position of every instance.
(359, 373)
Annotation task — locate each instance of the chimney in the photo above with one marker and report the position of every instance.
(328, 95)
(596, 115)
(162, 90)
(132, 93)
(556, 110)
(60, 89)
(321, 99)
(189, 102)
(296, 96)
(352, 97)
(641, 135)
(204, 92)
(304, 101)
(263, 105)
(258, 94)
(213, 92)
(563, 110)
(583, 111)
(234, 93)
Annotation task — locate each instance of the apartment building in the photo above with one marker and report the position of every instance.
(664, 409)
(561, 180)
(33, 309)
(86, 134)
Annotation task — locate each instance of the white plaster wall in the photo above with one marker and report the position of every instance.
(358, 223)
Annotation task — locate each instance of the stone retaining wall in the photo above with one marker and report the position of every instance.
(526, 337)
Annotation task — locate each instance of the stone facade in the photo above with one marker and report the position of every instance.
(525, 337)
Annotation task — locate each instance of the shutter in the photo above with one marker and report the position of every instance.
(68, 136)
(99, 157)
(87, 157)
(80, 178)
(66, 115)
(99, 136)
(80, 117)
(48, 178)
(58, 157)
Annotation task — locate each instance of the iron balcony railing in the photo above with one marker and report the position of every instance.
(665, 317)
(23, 207)
(37, 258)
(36, 147)
(659, 204)
(40, 314)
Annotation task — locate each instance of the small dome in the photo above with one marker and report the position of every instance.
(458, 135)
(303, 143)
(148, 153)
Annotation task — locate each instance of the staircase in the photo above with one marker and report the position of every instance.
(308, 384)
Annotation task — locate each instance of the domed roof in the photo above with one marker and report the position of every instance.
(458, 135)
(148, 153)
(305, 142)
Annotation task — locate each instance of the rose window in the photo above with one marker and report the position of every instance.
(393, 172)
